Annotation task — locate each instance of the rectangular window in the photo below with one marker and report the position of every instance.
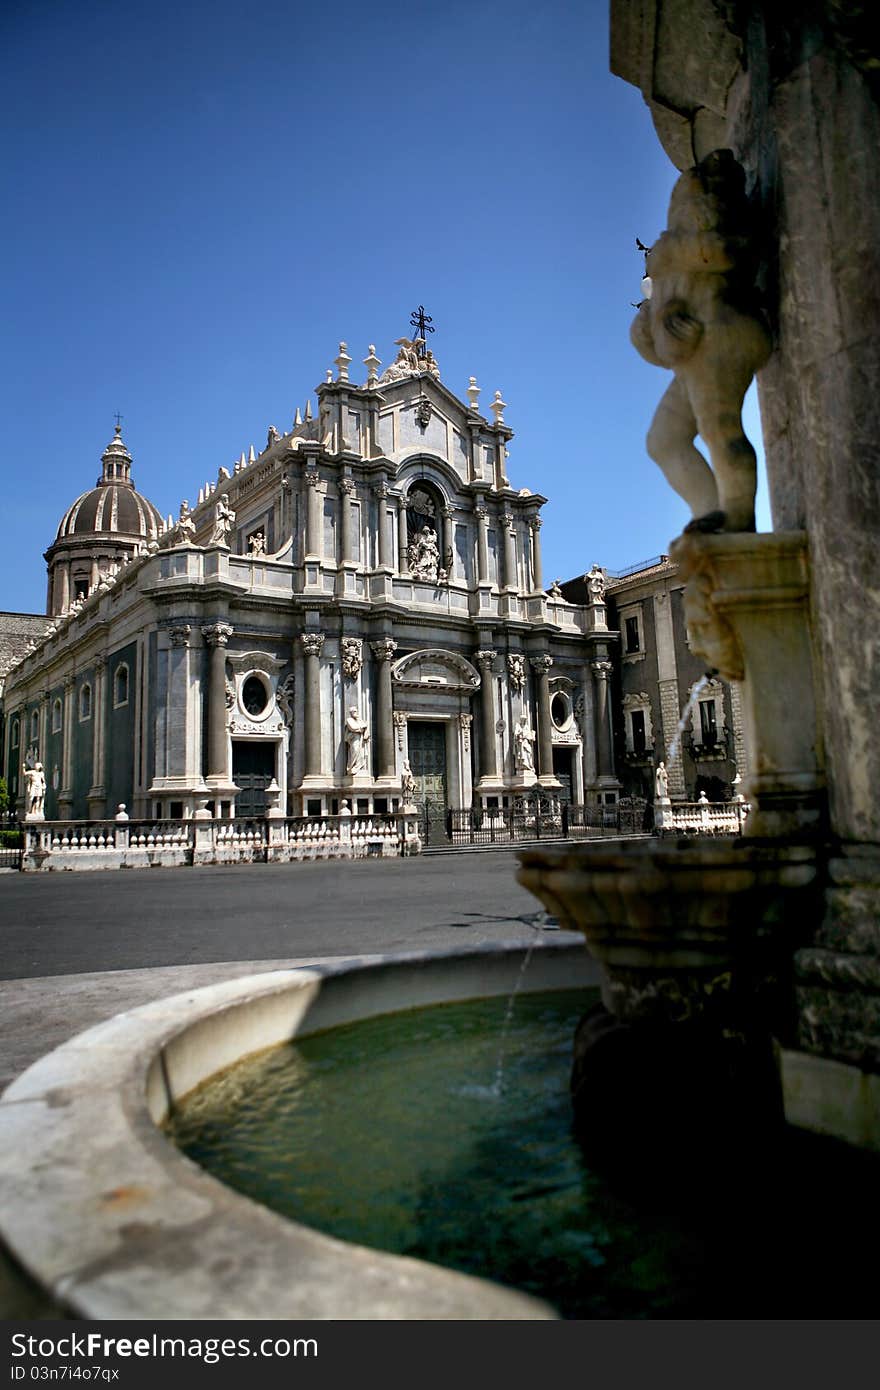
(631, 632)
(638, 730)
(313, 807)
(708, 722)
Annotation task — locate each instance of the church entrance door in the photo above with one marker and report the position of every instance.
(427, 758)
(253, 767)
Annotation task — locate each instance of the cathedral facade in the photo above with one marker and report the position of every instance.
(355, 614)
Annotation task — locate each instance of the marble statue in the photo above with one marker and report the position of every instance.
(523, 745)
(407, 782)
(185, 524)
(35, 786)
(356, 737)
(661, 783)
(595, 580)
(555, 590)
(224, 517)
(423, 555)
(257, 544)
(701, 319)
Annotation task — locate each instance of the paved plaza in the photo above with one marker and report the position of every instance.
(78, 948)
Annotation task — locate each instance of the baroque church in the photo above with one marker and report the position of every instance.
(355, 614)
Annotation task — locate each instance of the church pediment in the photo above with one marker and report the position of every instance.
(437, 669)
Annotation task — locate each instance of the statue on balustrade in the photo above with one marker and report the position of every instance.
(35, 786)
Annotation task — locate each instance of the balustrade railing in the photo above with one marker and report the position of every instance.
(134, 843)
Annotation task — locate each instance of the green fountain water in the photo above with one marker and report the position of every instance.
(395, 1133)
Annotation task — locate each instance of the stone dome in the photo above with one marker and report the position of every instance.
(113, 506)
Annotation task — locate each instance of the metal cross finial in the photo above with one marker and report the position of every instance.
(422, 323)
(119, 419)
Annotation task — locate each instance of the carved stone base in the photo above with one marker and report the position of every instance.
(747, 610)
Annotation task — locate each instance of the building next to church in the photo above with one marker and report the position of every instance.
(359, 602)
(657, 679)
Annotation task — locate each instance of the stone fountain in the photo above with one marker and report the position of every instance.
(743, 977)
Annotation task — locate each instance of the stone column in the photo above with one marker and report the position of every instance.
(535, 524)
(489, 759)
(383, 650)
(314, 527)
(482, 516)
(510, 575)
(670, 704)
(65, 795)
(601, 687)
(44, 728)
(63, 603)
(312, 642)
(402, 548)
(541, 667)
(385, 557)
(447, 556)
(216, 636)
(97, 794)
(346, 488)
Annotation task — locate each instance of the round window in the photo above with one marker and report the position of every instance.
(560, 710)
(254, 695)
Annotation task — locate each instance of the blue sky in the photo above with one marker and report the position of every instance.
(204, 198)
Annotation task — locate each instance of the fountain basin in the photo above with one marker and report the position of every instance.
(112, 1221)
(680, 929)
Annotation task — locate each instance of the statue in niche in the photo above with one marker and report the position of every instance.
(523, 745)
(356, 737)
(257, 544)
(702, 320)
(516, 671)
(423, 555)
(224, 518)
(407, 783)
(661, 783)
(35, 788)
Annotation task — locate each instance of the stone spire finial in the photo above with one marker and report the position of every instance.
(372, 364)
(473, 393)
(342, 363)
(252, 458)
(498, 408)
(309, 408)
(297, 419)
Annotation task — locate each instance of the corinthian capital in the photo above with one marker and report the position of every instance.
(346, 486)
(541, 664)
(601, 670)
(216, 635)
(384, 649)
(485, 657)
(312, 642)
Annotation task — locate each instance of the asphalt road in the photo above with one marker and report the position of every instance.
(81, 923)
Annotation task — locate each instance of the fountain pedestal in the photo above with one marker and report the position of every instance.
(747, 613)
